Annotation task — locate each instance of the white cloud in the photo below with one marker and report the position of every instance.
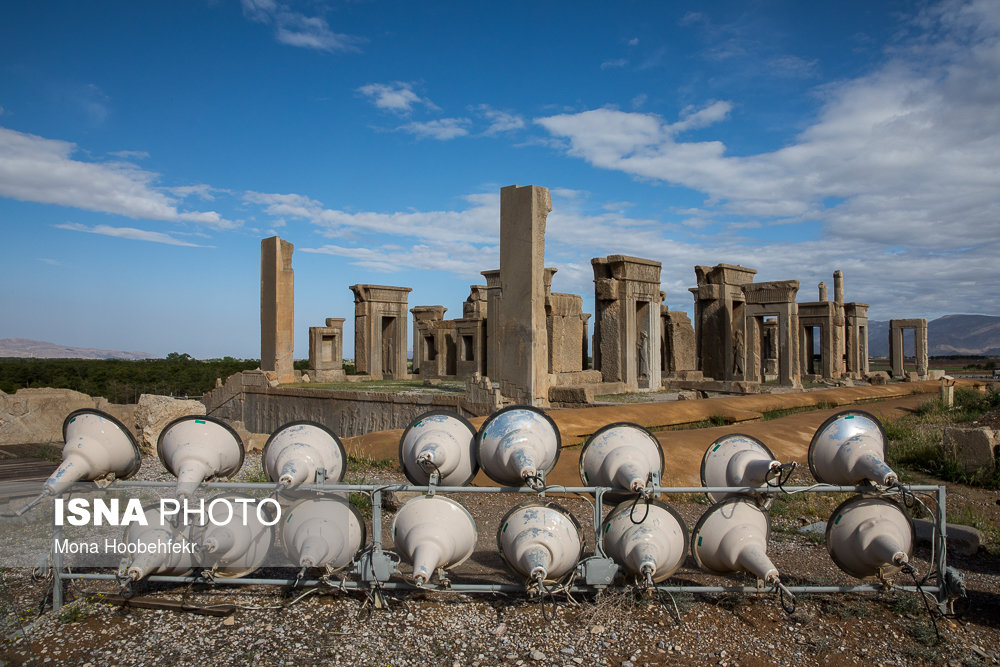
(130, 155)
(634, 41)
(49, 261)
(442, 129)
(478, 221)
(297, 29)
(693, 119)
(397, 96)
(129, 233)
(909, 154)
(500, 121)
(462, 260)
(37, 169)
(616, 63)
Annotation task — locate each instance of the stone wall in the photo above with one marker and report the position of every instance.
(33, 416)
(348, 413)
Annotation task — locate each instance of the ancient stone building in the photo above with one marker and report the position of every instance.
(896, 328)
(451, 348)
(757, 332)
(627, 326)
(380, 321)
(768, 300)
(326, 351)
(277, 309)
(718, 315)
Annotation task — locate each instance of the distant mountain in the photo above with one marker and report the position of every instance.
(948, 335)
(39, 349)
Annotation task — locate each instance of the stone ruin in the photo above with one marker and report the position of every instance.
(517, 336)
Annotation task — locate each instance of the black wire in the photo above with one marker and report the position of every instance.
(784, 473)
(788, 607)
(909, 498)
(436, 469)
(542, 591)
(909, 569)
(631, 512)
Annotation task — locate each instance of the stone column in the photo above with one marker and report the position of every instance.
(277, 308)
(822, 292)
(920, 347)
(839, 343)
(895, 349)
(523, 375)
(493, 350)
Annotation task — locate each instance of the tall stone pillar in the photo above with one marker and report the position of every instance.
(895, 349)
(277, 308)
(520, 326)
(920, 347)
(839, 367)
(493, 350)
(822, 292)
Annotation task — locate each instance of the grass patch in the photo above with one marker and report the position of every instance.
(915, 441)
(778, 413)
(369, 462)
(809, 506)
(711, 422)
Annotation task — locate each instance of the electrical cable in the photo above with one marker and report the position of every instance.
(631, 512)
(910, 570)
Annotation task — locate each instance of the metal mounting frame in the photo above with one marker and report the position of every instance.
(374, 566)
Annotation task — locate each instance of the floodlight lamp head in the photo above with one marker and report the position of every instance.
(97, 445)
(541, 541)
(238, 545)
(849, 448)
(433, 532)
(439, 441)
(736, 460)
(159, 546)
(196, 448)
(296, 451)
(870, 537)
(652, 550)
(322, 532)
(732, 537)
(518, 445)
(622, 456)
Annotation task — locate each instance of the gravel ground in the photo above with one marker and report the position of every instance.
(271, 626)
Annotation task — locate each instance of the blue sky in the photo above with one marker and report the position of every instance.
(147, 148)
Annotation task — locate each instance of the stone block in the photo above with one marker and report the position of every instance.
(964, 540)
(571, 394)
(975, 448)
(32, 416)
(154, 412)
(878, 377)
(935, 374)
